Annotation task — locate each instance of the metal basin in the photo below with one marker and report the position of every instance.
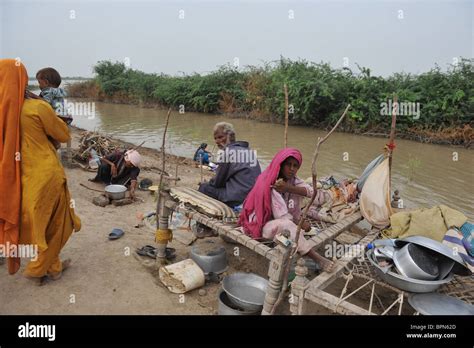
(405, 283)
(211, 257)
(226, 307)
(416, 262)
(115, 191)
(245, 290)
(439, 304)
(459, 266)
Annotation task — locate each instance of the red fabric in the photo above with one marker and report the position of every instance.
(259, 199)
(391, 146)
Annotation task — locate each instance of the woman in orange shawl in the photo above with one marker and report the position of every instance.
(35, 208)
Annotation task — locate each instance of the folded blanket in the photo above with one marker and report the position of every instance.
(431, 223)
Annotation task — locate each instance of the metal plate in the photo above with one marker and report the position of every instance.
(438, 304)
(459, 267)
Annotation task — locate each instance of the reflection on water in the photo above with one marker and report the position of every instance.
(426, 175)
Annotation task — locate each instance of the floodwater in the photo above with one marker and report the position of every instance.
(425, 175)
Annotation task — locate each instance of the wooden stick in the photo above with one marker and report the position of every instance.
(391, 142)
(285, 88)
(394, 120)
(200, 166)
(163, 154)
(90, 188)
(305, 211)
(392, 131)
(176, 172)
(314, 171)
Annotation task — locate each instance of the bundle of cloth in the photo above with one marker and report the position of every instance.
(334, 199)
(440, 223)
(432, 222)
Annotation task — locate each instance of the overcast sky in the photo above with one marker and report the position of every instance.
(197, 36)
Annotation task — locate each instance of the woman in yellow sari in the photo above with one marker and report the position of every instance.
(47, 217)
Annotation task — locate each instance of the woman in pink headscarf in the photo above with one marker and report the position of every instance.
(273, 205)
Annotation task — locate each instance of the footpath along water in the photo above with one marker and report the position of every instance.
(425, 175)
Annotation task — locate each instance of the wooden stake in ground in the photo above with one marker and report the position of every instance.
(285, 89)
(176, 172)
(305, 211)
(392, 135)
(163, 159)
(200, 166)
(69, 149)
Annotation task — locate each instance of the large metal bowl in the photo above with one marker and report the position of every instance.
(405, 283)
(226, 307)
(416, 262)
(459, 266)
(439, 304)
(115, 191)
(246, 290)
(211, 257)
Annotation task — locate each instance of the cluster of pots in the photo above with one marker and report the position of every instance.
(415, 264)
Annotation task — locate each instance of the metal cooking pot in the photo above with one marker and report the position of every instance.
(226, 307)
(405, 283)
(459, 266)
(416, 262)
(211, 257)
(115, 191)
(246, 290)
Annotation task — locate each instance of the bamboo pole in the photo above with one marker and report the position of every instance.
(163, 155)
(285, 88)
(305, 211)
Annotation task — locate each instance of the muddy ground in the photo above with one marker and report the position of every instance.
(107, 277)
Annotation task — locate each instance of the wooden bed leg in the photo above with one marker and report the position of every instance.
(298, 287)
(275, 274)
(162, 230)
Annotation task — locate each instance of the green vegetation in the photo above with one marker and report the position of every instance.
(317, 94)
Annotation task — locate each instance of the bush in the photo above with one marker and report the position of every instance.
(317, 93)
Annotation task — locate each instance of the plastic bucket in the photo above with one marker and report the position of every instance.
(182, 276)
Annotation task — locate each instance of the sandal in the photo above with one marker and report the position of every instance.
(116, 233)
(152, 252)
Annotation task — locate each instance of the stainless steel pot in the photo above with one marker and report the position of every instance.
(405, 283)
(115, 191)
(415, 262)
(459, 266)
(226, 307)
(246, 290)
(211, 257)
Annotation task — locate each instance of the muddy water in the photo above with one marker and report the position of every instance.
(426, 175)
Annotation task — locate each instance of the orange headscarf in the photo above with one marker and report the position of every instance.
(13, 80)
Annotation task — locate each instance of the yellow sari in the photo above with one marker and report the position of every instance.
(47, 211)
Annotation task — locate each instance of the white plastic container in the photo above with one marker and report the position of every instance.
(182, 276)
